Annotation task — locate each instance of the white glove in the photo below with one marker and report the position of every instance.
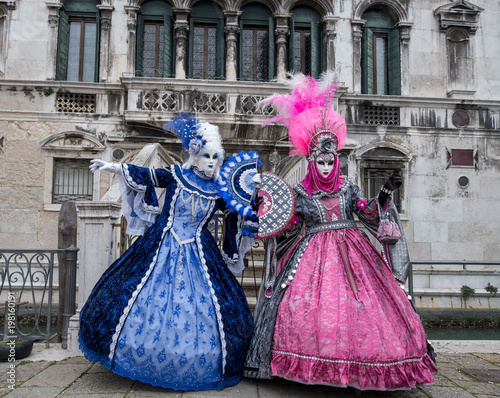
(101, 165)
(256, 179)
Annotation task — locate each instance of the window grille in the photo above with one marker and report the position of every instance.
(211, 103)
(255, 54)
(160, 101)
(205, 52)
(79, 103)
(381, 115)
(302, 50)
(72, 180)
(153, 49)
(250, 106)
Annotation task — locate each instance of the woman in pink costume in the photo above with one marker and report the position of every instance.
(336, 313)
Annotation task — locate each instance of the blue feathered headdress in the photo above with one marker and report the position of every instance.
(185, 126)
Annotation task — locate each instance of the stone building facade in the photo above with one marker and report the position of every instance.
(419, 90)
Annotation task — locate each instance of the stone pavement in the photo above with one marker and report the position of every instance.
(467, 369)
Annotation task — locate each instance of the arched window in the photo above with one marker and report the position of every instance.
(206, 42)
(78, 42)
(458, 57)
(380, 57)
(304, 45)
(154, 40)
(376, 165)
(256, 43)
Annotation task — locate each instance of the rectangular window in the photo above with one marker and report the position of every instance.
(72, 180)
(302, 50)
(374, 179)
(255, 53)
(82, 48)
(152, 50)
(380, 70)
(205, 52)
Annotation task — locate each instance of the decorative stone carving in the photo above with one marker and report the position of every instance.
(459, 13)
(53, 14)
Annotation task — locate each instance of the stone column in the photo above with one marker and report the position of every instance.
(96, 243)
(181, 27)
(52, 39)
(132, 12)
(105, 13)
(404, 38)
(329, 35)
(357, 35)
(281, 32)
(231, 30)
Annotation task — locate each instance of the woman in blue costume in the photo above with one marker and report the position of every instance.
(169, 312)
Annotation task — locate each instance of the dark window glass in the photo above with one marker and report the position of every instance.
(374, 179)
(255, 53)
(152, 50)
(205, 52)
(82, 47)
(302, 50)
(380, 71)
(72, 180)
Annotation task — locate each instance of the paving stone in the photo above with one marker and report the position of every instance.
(495, 358)
(443, 381)
(76, 360)
(447, 392)
(35, 392)
(104, 383)
(98, 395)
(57, 376)
(473, 362)
(144, 390)
(480, 387)
(26, 371)
(98, 368)
(452, 372)
(280, 388)
(246, 388)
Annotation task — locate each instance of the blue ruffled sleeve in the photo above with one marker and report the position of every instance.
(139, 200)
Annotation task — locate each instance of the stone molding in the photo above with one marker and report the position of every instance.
(460, 14)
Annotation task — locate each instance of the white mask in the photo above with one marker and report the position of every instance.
(325, 166)
(206, 161)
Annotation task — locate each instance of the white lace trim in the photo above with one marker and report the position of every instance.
(212, 291)
(349, 362)
(130, 181)
(179, 182)
(144, 279)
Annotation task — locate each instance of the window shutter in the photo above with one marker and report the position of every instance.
(315, 66)
(220, 49)
(367, 62)
(393, 63)
(291, 42)
(98, 45)
(62, 46)
(271, 55)
(167, 47)
(139, 47)
(190, 48)
(240, 52)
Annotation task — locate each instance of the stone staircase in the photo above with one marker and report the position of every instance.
(251, 277)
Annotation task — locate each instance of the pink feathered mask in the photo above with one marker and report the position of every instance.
(307, 114)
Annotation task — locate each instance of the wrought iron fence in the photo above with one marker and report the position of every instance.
(26, 285)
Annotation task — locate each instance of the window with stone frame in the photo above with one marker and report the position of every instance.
(155, 40)
(78, 42)
(3, 46)
(304, 43)
(376, 166)
(206, 42)
(380, 55)
(72, 180)
(256, 43)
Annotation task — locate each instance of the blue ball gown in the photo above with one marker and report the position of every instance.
(169, 312)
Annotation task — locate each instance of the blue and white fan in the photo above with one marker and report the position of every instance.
(235, 185)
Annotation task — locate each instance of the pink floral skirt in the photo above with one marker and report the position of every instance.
(324, 335)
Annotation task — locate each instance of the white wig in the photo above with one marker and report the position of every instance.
(210, 135)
